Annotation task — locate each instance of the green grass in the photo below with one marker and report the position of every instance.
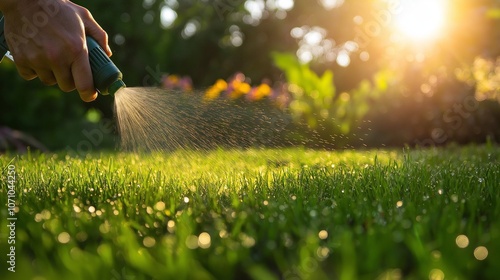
(270, 214)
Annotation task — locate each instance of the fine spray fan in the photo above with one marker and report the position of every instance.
(107, 77)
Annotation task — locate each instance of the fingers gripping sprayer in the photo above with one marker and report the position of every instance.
(107, 77)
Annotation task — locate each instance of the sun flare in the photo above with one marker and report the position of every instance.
(421, 20)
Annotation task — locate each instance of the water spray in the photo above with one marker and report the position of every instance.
(107, 77)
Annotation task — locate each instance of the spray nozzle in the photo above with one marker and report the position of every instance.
(107, 77)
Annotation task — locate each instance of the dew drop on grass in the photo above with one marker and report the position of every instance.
(462, 241)
(204, 240)
(322, 252)
(313, 213)
(171, 226)
(192, 242)
(323, 234)
(436, 274)
(148, 241)
(223, 234)
(105, 227)
(481, 253)
(38, 217)
(63, 237)
(160, 206)
(246, 240)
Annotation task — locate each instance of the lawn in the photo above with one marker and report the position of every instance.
(255, 214)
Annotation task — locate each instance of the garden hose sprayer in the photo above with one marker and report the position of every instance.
(107, 77)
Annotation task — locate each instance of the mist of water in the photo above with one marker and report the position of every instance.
(154, 119)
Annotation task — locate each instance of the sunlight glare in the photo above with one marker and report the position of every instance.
(421, 19)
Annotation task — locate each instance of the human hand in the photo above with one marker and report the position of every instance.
(47, 40)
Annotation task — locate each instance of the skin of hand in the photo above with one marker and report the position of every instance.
(47, 40)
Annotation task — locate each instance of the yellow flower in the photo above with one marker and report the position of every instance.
(221, 84)
(214, 91)
(239, 89)
(262, 91)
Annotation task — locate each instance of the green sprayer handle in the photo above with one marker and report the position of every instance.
(107, 77)
(3, 44)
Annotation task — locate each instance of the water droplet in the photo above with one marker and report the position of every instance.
(160, 206)
(186, 199)
(223, 234)
(323, 234)
(45, 214)
(148, 241)
(462, 241)
(171, 226)
(63, 237)
(481, 180)
(313, 213)
(436, 274)
(322, 252)
(246, 240)
(399, 204)
(192, 242)
(481, 253)
(104, 227)
(91, 209)
(204, 240)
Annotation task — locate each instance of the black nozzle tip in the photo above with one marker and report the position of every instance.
(115, 86)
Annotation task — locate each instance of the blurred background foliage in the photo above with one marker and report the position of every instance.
(364, 81)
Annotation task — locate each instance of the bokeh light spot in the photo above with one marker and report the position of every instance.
(63, 237)
(481, 253)
(462, 241)
(148, 241)
(323, 234)
(436, 274)
(204, 240)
